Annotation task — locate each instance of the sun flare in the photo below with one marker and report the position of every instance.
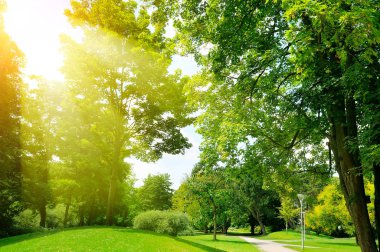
(36, 26)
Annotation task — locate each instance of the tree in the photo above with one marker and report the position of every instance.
(208, 184)
(287, 212)
(11, 62)
(126, 71)
(38, 113)
(156, 193)
(184, 200)
(330, 215)
(299, 71)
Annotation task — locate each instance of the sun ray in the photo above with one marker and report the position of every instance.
(36, 26)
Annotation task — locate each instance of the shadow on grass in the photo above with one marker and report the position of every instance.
(344, 244)
(241, 234)
(191, 243)
(20, 238)
(39, 234)
(201, 246)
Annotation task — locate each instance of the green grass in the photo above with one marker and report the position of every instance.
(320, 243)
(119, 239)
(223, 243)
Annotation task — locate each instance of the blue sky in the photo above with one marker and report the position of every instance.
(35, 25)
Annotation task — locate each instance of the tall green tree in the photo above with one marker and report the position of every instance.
(38, 147)
(156, 193)
(287, 211)
(123, 63)
(208, 184)
(11, 62)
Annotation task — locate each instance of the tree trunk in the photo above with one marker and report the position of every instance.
(262, 226)
(343, 128)
(256, 213)
(205, 229)
(251, 221)
(111, 196)
(81, 216)
(66, 215)
(42, 211)
(377, 201)
(286, 226)
(226, 225)
(118, 144)
(372, 102)
(214, 220)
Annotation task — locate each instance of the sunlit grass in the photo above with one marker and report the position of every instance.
(119, 239)
(314, 243)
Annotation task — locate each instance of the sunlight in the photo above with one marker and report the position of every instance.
(36, 26)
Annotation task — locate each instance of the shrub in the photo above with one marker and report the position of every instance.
(165, 222)
(26, 219)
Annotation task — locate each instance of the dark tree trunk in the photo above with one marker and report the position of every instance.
(342, 117)
(251, 221)
(114, 176)
(226, 225)
(42, 211)
(66, 215)
(205, 229)
(372, 102)
(262, 226)
(81, 216)
(257, 215)
(91, 212)
(111, 198)
(214, 220)
(377, 201)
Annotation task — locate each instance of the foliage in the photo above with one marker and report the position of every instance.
(11, 88)
(139, 108)
(330, 215)
(26, 219)
(156, 193)
(166, 222)
(281, 77)
(287, 212)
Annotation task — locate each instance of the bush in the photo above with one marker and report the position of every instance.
(26, 219)
(165, 222)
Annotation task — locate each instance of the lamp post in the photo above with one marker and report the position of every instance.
(301, 197)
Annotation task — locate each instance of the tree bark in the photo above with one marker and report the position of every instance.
(42, 211)
(81, 215)
(377, 201)
(257, 215)
(114, 176)
(372, 103)
(214, 220)
(111, 196)
(205, 229)
(226, 225)
(342, 116)
(66, 215)
(286, 226)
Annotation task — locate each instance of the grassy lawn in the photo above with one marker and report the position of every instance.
(320, 243)
(223, 243)
(118, 239)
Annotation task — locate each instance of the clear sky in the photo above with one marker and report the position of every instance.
(35, 25)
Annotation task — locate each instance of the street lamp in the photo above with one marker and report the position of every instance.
(301, 197)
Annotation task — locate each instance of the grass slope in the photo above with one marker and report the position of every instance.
(118, 239)
(314, 243)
